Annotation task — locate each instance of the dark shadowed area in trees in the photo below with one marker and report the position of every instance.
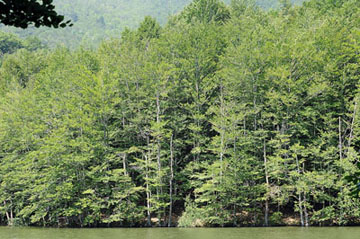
(22, 13)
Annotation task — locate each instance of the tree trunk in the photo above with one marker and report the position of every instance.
(171, 178)
(158, 155)
(301, 209)
(352, 124)
(124, 164)
(8, 216)
(306, 215)
(148, 223)
(197, 141)
(340, 140)
(222, 127)
(299, 195)
(11, 217)
(267, 188)
(305, 202)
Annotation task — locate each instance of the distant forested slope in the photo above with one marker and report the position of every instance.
(95, 20)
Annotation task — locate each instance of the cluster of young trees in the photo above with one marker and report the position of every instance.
(226, 116)
(10, 43)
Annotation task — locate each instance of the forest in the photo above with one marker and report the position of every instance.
(96, 20)
(225, 115)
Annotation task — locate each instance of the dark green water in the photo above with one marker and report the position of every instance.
(157, 233)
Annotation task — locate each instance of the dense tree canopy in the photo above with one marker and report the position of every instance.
(10, 43)
(224, 116)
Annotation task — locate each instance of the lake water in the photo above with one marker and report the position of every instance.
(178, 233)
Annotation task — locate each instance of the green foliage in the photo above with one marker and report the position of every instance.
(276, 218)
(192, 216)
(206, 11)
(225, 116)
(149, 29)
(10, 43)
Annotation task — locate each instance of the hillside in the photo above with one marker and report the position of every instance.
(95, 20)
